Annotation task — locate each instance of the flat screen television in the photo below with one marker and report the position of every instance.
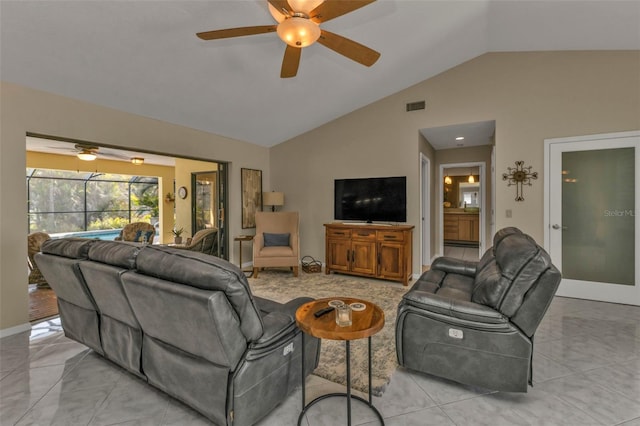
(380, 199)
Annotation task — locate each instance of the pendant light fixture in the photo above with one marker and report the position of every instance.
(447, 180)
(471, 178)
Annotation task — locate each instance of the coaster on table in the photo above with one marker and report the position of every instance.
(357, 306)
(336, 303)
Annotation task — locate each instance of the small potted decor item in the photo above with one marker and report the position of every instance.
(178, 235)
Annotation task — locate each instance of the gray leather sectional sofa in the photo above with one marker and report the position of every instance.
(183, 321)
(474, 322)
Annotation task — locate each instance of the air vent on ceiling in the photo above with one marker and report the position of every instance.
(415, 106)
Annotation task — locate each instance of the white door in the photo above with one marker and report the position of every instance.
(590, 215)
(425, 207)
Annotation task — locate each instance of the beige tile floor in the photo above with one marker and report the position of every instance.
(586, 372)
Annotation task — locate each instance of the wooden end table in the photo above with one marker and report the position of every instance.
(365, 323)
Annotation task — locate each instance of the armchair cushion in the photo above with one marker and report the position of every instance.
(142, 236)
(276, 240)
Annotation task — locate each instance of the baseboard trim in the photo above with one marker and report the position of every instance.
(6, 332)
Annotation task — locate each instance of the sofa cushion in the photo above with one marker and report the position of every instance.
(116, 253)
(205, 272)
(74, 248)
(276, 240)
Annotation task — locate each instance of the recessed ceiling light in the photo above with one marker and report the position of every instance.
(460, 138)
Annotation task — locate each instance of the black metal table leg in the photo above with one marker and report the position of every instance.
(370, 400)
(347, 394)
(303, 381)
(348, 351)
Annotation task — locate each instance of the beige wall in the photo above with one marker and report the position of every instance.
(25, 110)
(531, 96)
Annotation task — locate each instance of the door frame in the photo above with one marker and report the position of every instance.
(569, 288)
(483, 204)
(425, 210)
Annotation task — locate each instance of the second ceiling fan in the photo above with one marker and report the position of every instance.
(299, 26)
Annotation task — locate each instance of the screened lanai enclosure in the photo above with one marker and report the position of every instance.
(62, 201)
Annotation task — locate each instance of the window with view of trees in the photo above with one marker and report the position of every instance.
(67, 201)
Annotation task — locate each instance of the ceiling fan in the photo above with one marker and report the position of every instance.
(299, 26)
(87, 152)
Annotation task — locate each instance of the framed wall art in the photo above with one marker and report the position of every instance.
(251, 185)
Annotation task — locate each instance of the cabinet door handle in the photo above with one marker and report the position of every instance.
(348, 256)
(378, 258)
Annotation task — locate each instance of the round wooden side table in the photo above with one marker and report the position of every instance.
(365, 323)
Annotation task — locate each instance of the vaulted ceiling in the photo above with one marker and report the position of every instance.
(143, 57)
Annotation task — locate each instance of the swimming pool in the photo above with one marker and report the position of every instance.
(104, 234)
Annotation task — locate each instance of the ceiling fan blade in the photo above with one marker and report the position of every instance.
(349, 48)
(330, 9)
(236, 32)
(280, 5)
(290, 62)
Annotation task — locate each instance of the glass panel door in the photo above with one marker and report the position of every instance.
(592, 222)
(598, 226)
(209, 205)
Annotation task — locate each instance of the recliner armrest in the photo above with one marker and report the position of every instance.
(455, 266)
(279, 323)
(454, 308)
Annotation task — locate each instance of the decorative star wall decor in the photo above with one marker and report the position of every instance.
(518, 176)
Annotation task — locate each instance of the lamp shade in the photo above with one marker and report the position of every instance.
(273, 198)
(298, 32)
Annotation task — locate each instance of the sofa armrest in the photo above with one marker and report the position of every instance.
(455, 266)
(277, 325)
(453, 308)
(280, 322)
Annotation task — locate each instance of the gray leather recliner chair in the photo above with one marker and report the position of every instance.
(474, 322)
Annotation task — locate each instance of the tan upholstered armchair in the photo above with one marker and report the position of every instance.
(34, 242)
(277, 241)
(136, 232)
(204, 241)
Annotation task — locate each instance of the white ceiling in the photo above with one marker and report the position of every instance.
(143, 56)
(474, 134)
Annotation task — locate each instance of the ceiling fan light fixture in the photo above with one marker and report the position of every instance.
(298, 31)
(86, 155)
